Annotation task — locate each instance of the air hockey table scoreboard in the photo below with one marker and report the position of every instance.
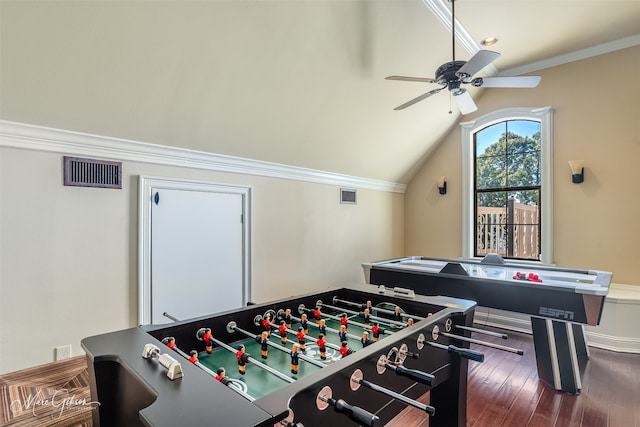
(559, 300)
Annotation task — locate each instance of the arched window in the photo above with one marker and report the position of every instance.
(507, 185)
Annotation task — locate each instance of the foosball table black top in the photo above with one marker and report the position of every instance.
(134, 390)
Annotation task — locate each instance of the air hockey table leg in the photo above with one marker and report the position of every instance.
(561, 353)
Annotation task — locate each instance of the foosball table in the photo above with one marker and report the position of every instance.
(347, 356)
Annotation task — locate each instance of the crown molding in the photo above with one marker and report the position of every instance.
(31, 137)
(578, 55)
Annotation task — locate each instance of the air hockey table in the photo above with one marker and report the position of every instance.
(559, 300)
(141, 376)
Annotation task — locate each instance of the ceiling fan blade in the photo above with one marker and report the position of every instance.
(411, 79)
(481, 59)
(515, 82)
(465, 103)
(420, 98)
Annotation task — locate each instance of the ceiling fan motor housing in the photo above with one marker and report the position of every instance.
(446, 75)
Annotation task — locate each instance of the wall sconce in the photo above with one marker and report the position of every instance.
(442, 185)
(577, 171)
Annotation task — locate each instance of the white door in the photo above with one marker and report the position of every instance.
(196, 253)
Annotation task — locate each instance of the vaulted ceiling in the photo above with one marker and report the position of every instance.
(299, 82)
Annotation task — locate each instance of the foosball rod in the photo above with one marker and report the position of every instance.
(310, 338)
(353, 337)
(256, 362)
(362, 325)
(168, 316)
(482, 331)
(462, 352)
(231, 327)
(378, 309)
(355, 413)
(483, 343)
(376, 318)
(358, 380)
(204, 368)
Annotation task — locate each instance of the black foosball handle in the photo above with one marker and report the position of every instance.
(354, 413)
(466, 353)
(419, 376)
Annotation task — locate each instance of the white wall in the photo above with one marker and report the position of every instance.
(68, 255)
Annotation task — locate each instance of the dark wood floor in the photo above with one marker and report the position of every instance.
(504, 391)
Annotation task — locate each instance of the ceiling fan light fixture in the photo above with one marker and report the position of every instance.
(489, 41)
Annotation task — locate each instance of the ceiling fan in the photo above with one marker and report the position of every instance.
(452, 75)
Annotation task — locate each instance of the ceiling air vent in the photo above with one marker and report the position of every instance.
(92, 173)
(348, 196)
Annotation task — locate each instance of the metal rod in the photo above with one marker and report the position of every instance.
(167, 315)
(256, 362)
(483, 331)
(281, 348)
(379, 319)
(361, 325)
(463, 352)
(378, 309)
(213, 374)
(428, 409)
(328, 344)
(484, 343)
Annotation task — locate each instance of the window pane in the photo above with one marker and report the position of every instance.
(487, 138)
(491, 222)
(491, 172)
(523, 225)
(522, 136)
(523, 170)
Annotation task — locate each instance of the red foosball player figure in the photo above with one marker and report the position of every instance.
(220, 373)
(342, 333)
(376, 330)
(242, 358)
(366, 315)
(305, 323)
(194, 356)
(283, 332)
(294, 359)
(263, 340)
(365, 340)
(287, 318)
(344, 349)
(266, 324)
(204, 334)
(322, 346)
(301, 340)
(221, 376)
(317, 314)
(344, 321)
(322, 328)
(169, 342)
(208, 341)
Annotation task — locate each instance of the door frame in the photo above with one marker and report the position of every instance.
(146, 184)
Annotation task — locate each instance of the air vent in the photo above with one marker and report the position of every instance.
(348, 196)
(92, 173)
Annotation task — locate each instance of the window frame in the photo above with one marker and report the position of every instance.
(468, 129)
